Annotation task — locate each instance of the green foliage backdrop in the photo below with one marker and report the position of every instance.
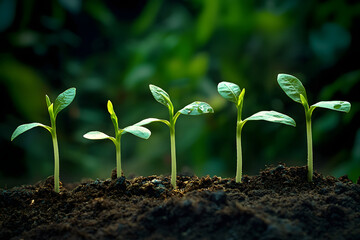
(112, 50)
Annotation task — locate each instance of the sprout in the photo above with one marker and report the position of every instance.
(138, 131)
(195, 108)
(296, 91)
(61, 102)
(231, 91)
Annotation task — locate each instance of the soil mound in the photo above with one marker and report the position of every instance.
(278, 203)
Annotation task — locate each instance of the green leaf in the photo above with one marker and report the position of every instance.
(341, 106)
(96, 135)
(25, 127)
(64, 100)
(229, 91)
(160, 95)
(138, 131)
(272, 116)
(151, 120)
(48, 102)
(291, 86)
(196, 108)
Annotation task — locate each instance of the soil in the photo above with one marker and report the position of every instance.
(278, 203)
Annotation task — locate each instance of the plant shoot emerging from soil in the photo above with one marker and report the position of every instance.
(61, 102)
(296, 91)
(138, 131)
(195, 108)
(232, 93)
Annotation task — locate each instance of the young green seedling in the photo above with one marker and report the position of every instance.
(231, 91)
(296, 91)
(138, 131)
(195, 108)
(61, 102)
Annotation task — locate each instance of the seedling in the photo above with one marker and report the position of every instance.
(195, 108)
(296, 91)
(138, 131)
(61, 102)
(231, 92)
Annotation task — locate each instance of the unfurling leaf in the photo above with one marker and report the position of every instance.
(25, 127)
(160, 95)
(110, 108)
(51, 111)
(138, 131)
(272, 116)
(113, 116)
(229, 91)
(341, 106)
(64, 100)
(197, 108)
(304, 102)
(241, 98)
(48, 102)
(291, 86)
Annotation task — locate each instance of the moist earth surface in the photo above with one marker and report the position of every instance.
(278, 203)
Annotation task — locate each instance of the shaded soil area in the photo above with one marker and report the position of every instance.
(279, 203)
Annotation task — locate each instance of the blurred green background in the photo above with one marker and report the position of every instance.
(115, 49)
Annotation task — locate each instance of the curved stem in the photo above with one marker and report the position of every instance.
(309, 148)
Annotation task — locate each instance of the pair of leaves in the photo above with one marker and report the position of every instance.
(195, 108)
(61, 102)
(294, 89)
(231, 91)
(136, 130)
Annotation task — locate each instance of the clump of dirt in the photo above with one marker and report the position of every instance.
(279, 203)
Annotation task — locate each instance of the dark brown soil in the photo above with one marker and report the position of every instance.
(277, 204)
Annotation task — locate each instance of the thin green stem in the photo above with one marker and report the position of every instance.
(238, 153)
(173, 155)
(239, 126)
(118, 157)
(309, 148)
(56, 150)
(56, 161)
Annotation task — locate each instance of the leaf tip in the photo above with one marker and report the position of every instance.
(72, 89)
(285, 76)
(280, 75)
(151, 87)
